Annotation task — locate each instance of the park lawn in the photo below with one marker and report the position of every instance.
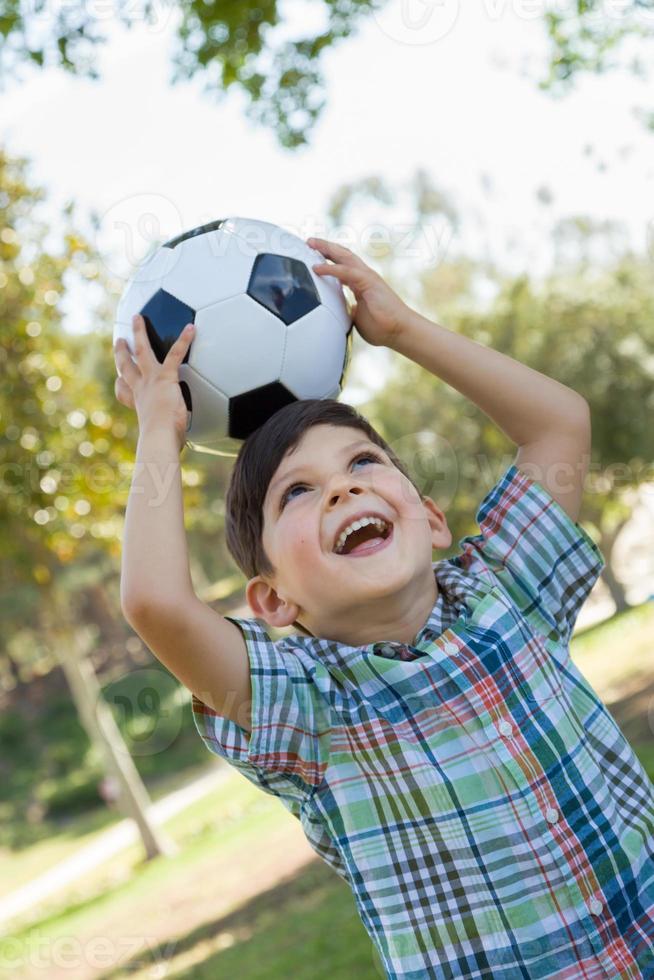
(616, 655)
(65, 838)
(19, 866)
(192, 908)
(306, 928)
(234, 844)
(227, 806)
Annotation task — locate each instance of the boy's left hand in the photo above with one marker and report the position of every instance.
(379, 314)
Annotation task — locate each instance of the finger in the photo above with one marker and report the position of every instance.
(354, 278)
(124, 393)
(142, 346)
(177, 352)
(339, 253)
(125, 366)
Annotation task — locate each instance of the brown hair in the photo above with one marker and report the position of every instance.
(257, 461)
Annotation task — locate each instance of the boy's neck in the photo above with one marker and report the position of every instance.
(398, 619)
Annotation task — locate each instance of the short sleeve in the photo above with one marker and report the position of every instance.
(322, 843)
(286, 753)
(546, 562)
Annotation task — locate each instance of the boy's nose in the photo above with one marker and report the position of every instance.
(348, 484)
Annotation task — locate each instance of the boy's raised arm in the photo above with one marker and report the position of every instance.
(206, 652)
(155, 566)
(549, 422)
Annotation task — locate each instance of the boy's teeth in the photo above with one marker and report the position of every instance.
(382, 525)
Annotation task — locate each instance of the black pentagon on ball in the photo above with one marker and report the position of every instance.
(200, 230)
(283, 285)
(186, 392)
(165, 317)
(347, 360)
(250, 410)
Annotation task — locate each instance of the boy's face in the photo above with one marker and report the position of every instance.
(328, 480)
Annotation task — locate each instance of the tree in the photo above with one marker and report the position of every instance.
(229, 42)
(55, 511)
(587, 37)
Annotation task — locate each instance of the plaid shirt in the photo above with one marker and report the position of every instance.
(473, 790)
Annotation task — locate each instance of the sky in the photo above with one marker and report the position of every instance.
(422, 84)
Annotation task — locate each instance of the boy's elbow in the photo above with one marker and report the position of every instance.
(131, 609)
(581, 415)
(130, 603)
(139, 610)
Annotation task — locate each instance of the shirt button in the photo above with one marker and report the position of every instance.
(552, 815)
(451, 649)
(595, 906)
(505, 727)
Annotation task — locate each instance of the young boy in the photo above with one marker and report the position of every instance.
(426, 724)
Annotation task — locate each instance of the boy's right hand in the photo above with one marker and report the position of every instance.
(150, 387)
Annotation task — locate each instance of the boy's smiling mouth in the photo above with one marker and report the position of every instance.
(370, 546)
(364, 535)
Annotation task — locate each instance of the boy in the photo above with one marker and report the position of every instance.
(426, 725)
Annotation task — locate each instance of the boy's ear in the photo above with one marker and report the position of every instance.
(266, 604)
(441, 536)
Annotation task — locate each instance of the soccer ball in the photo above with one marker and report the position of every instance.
(268, 330)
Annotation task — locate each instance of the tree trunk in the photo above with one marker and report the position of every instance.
(98, 720)
(615, 587)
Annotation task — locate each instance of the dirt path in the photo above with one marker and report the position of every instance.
(105, 846)
(148, 929)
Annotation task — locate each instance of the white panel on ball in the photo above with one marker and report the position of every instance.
(238, 345)
(262, 236)
(314, 354)
(195, 281)
(210, 413)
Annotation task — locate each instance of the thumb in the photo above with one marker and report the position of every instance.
(124, 393)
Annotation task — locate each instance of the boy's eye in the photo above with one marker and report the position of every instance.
(355, 459)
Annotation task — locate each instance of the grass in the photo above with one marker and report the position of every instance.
(229, 831)
(62, 838)
(619, 652)
(190, 908)
(305, 928)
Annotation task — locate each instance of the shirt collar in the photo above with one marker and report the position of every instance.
(457, 589)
